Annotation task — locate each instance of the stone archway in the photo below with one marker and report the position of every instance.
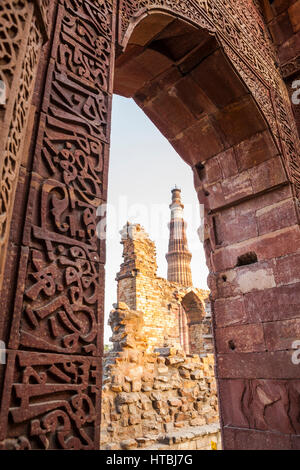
(247, 175)
(194, 310)
(220, 120)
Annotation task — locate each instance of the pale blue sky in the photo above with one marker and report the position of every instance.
(144, 168)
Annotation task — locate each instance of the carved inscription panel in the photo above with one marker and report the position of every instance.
(53, 402)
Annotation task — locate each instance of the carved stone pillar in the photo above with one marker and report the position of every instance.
(55, 338)
(23, 28)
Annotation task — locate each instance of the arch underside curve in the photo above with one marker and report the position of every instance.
(248, 49)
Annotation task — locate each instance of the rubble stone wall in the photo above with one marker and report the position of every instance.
(162, 399)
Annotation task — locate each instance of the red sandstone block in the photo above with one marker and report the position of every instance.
(273, 245)
(237, 187)
(151, 89)
(280, 6)
(223, 288)
(280, 335)
(231, 395)
(189, 92)
(281, 29)
(130, 79)
(238, 439)
(295, 442)
(229, 312)
(169, 114)
(241, 338)
(254, 277)
(289, 49)
(200, 139)
(261, 404)
(263, 200)
(216, 78)
(223, 259)
(196, 56)
(259, 365)
(287, 269)
(267, 174)
(255, 150)
(231, 227)
(277, 217)
(227, 161)
(279, 303)
(268, 405)
(145, 32)
(240, 120)
(214, 196)
(212, 171)
(142, 68)
(279, 243)
(294, 14)
(212, 284)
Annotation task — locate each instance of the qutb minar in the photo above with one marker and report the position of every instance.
(178, 257)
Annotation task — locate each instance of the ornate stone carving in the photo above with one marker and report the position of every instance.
(218, 16)
(58, 306)
(42, 7)
(17, 70)
(290, 68)
(51, 395)
(13, 16)
(264, 404)
(249, 49)
(66, 418)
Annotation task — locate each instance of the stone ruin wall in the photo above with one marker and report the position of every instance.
(160, 300)
(154, 394)
(162, 399)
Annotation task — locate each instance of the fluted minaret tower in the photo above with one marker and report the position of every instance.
(178, 256)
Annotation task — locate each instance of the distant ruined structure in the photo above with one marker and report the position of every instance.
(220, 80)
(173, 310)
(159, 387)
(156, 399)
